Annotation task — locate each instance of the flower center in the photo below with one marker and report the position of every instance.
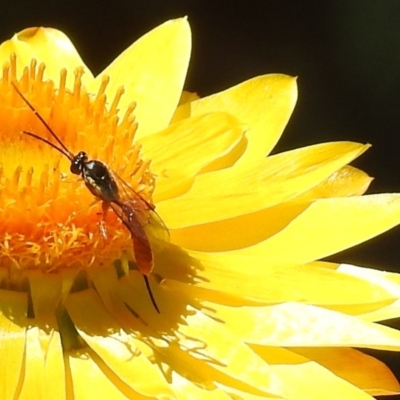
(49, 219)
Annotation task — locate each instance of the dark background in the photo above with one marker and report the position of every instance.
(346, 54)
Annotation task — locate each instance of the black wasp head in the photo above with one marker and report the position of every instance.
(78, 163)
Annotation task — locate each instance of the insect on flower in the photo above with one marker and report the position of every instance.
(114, 192)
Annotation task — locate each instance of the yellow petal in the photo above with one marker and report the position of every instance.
(300, 325)
(264, 104)
(329, 226)
(22, 49)
(46, 293)
(253, 278)
(387, 280)
(249, 229)
(44, 366)
(347, 181)
(44, 361)
(152, 71)
(193, 361)
(245, 322)
(107, 285)
(13, 323)
(383, 313)
(300, 374)
(242, 368)
(371, 375)
(183, 111)
(188, 97)
(240, 232)
(193, 143)
(310, 381)
(43, 44)
(185, 389)
(236, 393)
(269, 182)
(229, 159)
(90, 379)
(117, 350)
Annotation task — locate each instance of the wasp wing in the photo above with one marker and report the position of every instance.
(141, 244)
(145, 211)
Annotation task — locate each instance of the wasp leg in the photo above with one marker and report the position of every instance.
(102, 224)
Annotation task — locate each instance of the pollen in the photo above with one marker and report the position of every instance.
(48, 218)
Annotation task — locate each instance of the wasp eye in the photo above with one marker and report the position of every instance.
(76, 166)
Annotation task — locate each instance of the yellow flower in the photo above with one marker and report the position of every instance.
(246, 310)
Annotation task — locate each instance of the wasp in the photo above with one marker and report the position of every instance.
(113, 191)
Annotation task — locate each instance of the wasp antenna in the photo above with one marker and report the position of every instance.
(153, 301)
(47, 142)
(66, 152)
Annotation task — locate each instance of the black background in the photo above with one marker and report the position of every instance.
(346, 54)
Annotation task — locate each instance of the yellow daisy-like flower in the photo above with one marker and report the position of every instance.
(246, 310)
